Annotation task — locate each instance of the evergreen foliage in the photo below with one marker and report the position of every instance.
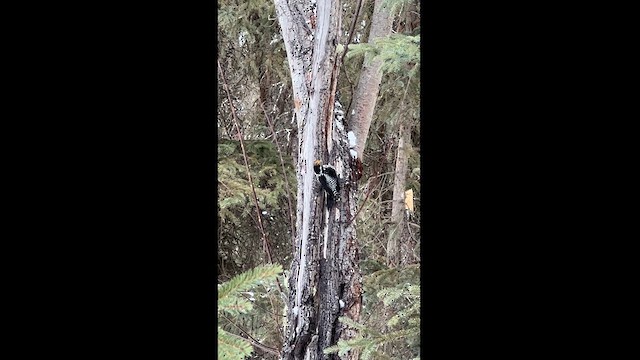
(253, 57)
(395, 6)
(231, 302)
(232, 348)
(252, 54)
(392, 329)
(398, 53)
(239, 233)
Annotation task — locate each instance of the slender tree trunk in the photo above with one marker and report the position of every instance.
(407, 246)
(324, 281)
(399, 248)
(396, 241)
(366, 93)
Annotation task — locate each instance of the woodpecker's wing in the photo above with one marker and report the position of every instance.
(329, 170)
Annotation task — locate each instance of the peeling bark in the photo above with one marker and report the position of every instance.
(324, 269)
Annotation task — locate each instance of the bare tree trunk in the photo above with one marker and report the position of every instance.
(324, 282)
(399, 249)
(398, 206)
(366, 94)
(407, 246)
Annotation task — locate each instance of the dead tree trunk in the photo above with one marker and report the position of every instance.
(324, 282)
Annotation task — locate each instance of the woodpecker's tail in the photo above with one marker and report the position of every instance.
(330, 202)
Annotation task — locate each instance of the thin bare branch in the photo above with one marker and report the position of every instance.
(246, 164)
(363, 202)
(251, 339)
(352, 30)
(284, 172)
(346, 48)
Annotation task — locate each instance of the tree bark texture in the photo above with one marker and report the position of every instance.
(324, 272)
(407, 245)
(366, 93)
(398, 206)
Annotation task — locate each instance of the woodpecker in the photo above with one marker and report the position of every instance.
(330, 182)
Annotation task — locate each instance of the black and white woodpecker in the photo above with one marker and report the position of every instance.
(330, 182)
